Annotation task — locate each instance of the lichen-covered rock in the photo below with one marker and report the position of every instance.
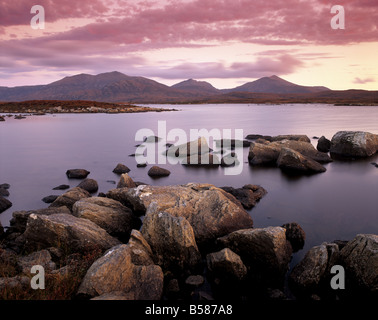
(109, 214)
(211, 212)
(116, 271)
(172, 242)
(67, 231)
(360, 259)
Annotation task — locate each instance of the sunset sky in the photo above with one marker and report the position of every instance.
(225, 42)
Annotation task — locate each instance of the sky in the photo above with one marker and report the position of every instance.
(224, 42)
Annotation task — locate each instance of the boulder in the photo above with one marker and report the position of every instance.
(66, 231)
(248, 195)
(126, 182)
(89, 185)
(77, 173)
(199, 146)
(109, 214)
(258, 136)
(352, 144)
(313, 270)
(116, 271)
(226, 265)
(5, 186)
(211, 212)
(121, 168)
(4, 204)
(295, 235)
(172, 242)
(20, 218)
(263, 154)
(194, 281)
(70, 197)
(360, 259)
(290, 160)
(157, 172)
(263, 250)
(324, 145)
(304, 148)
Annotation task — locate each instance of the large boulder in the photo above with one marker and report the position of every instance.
(4, 204)
(360, 259)
(42, 258)
(118, 271)
(172, 241)
(313, 271)
(354, 144)
(290, 160)
(262, 154)
(211, 212)
(109, 214)
(20, 218)
(304, 148)
(263, 250)
(68, 198)
(66, 231)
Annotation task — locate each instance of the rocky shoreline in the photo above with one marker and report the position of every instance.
(184, 242)
(42, 107)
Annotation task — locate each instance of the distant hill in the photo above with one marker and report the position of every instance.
(275, 84)
(117, 87)
(196, 87)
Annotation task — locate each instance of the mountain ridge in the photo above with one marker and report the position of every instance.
(117, 87)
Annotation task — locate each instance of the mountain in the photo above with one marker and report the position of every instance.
(275, 84)
(196, 87)
(117, 87)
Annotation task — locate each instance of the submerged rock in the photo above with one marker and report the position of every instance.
(354, 144)
(62, 187)
(50, 198)
(4, 192)
(248, 195)
(89, 185)
(4, 204)
(324, 145)
(156, 172)
(77, 173)
(121, 168)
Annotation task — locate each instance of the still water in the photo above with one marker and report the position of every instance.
(336, 205)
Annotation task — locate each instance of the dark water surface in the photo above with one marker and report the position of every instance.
(338, 204)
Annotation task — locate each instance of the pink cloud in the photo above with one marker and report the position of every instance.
(363, 81)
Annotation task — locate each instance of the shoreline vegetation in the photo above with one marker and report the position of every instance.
(41, 107)
(194, 241)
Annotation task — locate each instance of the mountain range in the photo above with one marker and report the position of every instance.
(118, 87)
